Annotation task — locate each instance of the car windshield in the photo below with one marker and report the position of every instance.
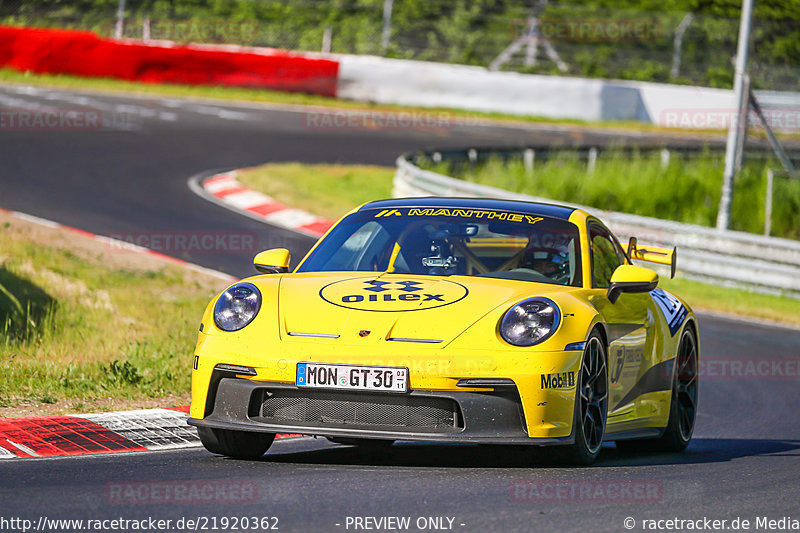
(446, 241)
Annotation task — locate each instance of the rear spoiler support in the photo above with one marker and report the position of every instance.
(653, 254)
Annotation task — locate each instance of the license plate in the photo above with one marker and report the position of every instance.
(352, 377)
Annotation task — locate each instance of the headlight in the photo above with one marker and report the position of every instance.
(237, 307)
(530, 322)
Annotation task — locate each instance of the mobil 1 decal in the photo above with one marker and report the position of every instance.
(561, 380)
(674, 311)
(393, 294)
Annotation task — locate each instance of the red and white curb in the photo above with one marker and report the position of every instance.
(125, 431)
(150, 429)
(118, 244)
(115, 432)
(225, 190)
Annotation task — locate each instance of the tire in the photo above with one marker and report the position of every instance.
(683, 404)
(371, 444)
(591, 405)
(237, 444)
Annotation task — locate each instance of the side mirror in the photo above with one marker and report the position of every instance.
(275, 261)
(629, 278)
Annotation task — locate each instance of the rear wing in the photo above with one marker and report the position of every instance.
(652, 254)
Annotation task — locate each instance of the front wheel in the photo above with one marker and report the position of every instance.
(238, 444)
(591, 405)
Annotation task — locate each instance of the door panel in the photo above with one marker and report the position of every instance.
(630, 330)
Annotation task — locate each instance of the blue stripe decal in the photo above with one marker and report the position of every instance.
(672, 308)
(575, 346)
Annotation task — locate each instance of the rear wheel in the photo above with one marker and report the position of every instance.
(683, 406)
(591, 405)
(238, 444)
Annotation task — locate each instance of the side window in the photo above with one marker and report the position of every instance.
(623, 259)
(605, 257)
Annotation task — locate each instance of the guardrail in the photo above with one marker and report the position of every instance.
(728, 258)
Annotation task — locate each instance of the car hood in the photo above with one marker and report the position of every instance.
(366, 307)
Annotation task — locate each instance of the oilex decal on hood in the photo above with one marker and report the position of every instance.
(451, 320)
(370, 294)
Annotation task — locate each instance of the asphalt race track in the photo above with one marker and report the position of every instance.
(130, 176)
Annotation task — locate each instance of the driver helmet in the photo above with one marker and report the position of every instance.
(547, 261)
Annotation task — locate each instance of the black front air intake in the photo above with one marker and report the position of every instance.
(361, 409)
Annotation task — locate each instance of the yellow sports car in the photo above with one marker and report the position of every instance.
(451, 320)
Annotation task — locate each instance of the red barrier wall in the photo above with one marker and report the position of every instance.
(85, 54)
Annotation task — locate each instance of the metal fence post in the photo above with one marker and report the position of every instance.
(386, 33)
(528, 158)
(118, 29)
(735, 129)
(678, 44)
(665, 155)
(591, 160)
(768, 203)
(326, 40)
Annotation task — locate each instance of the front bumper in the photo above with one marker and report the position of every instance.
(492, 417)
(548, 402)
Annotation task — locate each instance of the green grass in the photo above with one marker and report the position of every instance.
(703, 296)
(328, 191)
(90, 328)
(686, 190)
(332, 190)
